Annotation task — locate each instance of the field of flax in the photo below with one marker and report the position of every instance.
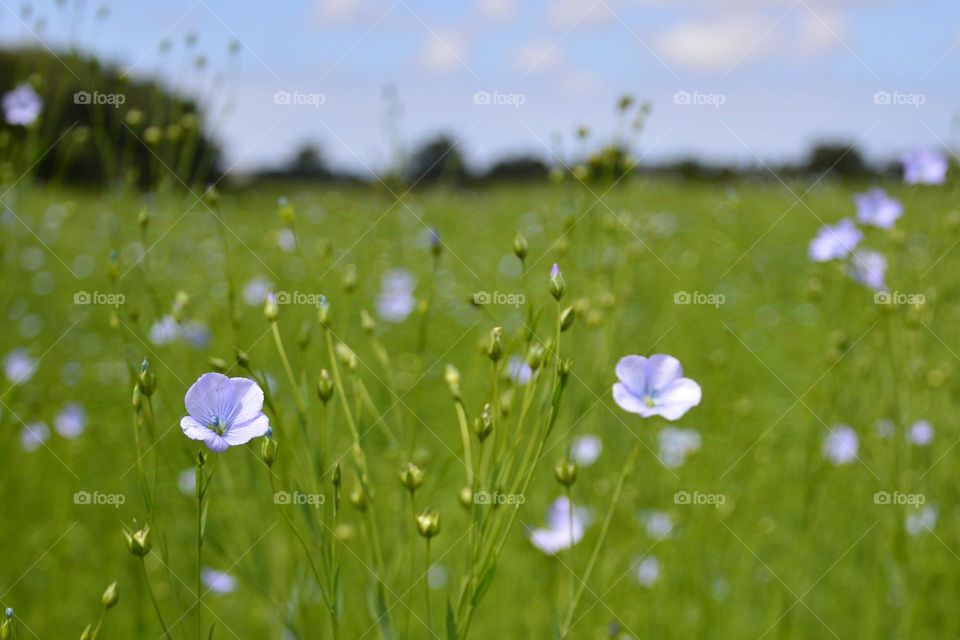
(436, 372)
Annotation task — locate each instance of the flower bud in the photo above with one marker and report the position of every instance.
(350, 278)
(218, 364)
(495, 348)
(358, 498)
(483, 425)
(367, 323)
(146, 382)
(535, 356)
(520, 246)
(346, 356)
(337, 476)
(268, 448)
(465, 496)
(86, 635)
(138, 542)
(564, 370)
(143, 219)
(285, 211)
(452, 378)
(411, 476)
(270, 310)
(243, 359)
(557, 284)
(324, 386)
(323, 315)
(137, 398)
(303, 339)
(110, 596)
(428, 524)
(566, 472)
(436, 246)
(566, 318)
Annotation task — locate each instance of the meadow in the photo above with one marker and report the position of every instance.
(742, 518)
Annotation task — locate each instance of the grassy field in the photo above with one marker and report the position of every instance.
(757, 534)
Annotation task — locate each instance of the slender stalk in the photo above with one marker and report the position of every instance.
(153, 598)
(625, 473)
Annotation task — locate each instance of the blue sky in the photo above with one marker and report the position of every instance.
(765, 78)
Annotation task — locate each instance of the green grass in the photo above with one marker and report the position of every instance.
(799, 548)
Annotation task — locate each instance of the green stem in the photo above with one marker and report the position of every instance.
(625, 473)
(153, 598)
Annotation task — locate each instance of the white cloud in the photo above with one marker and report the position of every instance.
(497, 10)
(718, 44)
(540, 56)
(340, 11)
(443, 52)
(820, 32)
(565, 14)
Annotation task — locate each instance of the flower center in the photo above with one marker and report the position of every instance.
(217, 426)
(648, 400)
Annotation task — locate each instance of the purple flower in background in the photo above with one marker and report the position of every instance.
(519, 371)
(218, 582)
(586, 449)
(396, 300)
(19, 366)
(224, 412)
(921, 433)
(71, 421)
(22, 105)
(164, 331)
(835, 242)
(921, 166)
(648, 571)
(869, 268)
(33, 436)
(841, 445)
(878, 209)
(556, 536)
(654, 386)
(921, 522)
(675, 444)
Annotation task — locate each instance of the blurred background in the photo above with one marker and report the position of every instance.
(357, 88)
